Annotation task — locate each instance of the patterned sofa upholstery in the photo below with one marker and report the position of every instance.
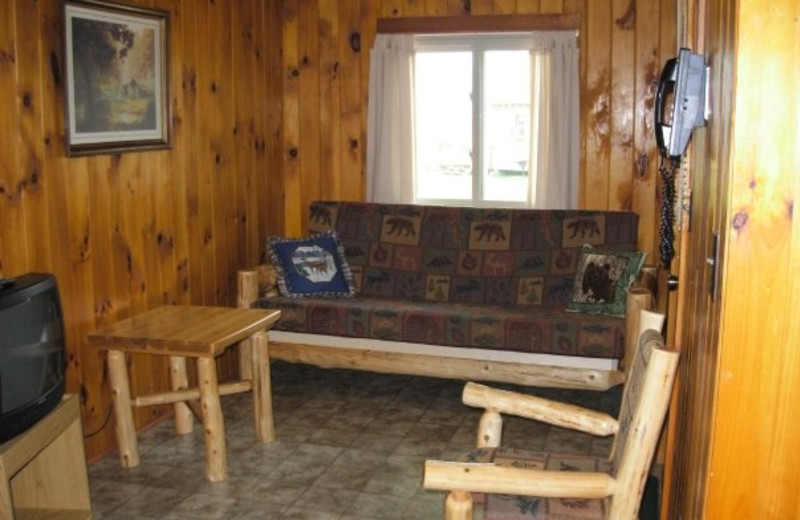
(463, 277)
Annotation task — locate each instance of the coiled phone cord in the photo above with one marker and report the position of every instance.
(666, 228)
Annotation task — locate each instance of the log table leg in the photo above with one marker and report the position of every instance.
(123, 413)
(262, 391)
(184, 422)
(246, 359)
(213, 423)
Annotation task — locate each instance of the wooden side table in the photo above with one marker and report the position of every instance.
(190, 331)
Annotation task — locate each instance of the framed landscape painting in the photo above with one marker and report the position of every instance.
(117, 84)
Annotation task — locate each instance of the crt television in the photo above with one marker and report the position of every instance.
(32, 360)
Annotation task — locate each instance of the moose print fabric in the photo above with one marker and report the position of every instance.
(313, 266)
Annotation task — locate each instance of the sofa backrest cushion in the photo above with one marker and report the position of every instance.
(470, 255)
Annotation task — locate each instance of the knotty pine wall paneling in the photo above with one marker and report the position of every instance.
(329, 101)
(623, 45)
(126, 232)
(291, 165)
(354, 16)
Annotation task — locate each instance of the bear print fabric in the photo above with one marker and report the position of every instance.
(509, 257)
(462, 277)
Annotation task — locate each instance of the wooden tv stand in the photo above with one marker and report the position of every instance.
(43, 470)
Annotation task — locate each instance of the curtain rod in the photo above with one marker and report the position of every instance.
(480, 23)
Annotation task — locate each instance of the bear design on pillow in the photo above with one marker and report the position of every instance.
(597, 282)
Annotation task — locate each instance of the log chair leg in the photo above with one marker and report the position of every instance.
(123, 413)
(458, 506)
(490, 430)
(213, 423)
(184, 422)
(262, 391)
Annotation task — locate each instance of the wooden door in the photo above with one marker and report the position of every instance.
(702, 238)
(735, 423)
(754, 465)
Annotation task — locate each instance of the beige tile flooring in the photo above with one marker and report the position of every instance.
(350, 446)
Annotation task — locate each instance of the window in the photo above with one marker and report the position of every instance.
(472, 119)
(477, 120)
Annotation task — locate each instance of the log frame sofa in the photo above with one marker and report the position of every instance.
(437, 360)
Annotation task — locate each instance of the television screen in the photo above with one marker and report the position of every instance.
(31, 352)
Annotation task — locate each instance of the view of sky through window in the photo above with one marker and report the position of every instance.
(455, 142)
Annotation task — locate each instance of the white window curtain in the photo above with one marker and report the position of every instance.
(555, 148)
(390, 123)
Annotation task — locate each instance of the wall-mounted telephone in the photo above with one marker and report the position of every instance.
(681, 95)
(680, 108)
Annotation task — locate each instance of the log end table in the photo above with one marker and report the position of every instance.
(203, 333)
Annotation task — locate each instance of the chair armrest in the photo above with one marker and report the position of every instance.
(247, 288)
(537, 408)
(490, 478)
(648, 279)
(252, 283)
(640, 298)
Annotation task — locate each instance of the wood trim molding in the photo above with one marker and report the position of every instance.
(478, 24)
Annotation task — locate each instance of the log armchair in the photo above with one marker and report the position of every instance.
(515, 484)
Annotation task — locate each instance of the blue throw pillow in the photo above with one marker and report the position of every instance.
(313, 266)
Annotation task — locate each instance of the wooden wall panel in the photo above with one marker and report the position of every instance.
(623, 58)
(271, 151)
(291, 171)
(329, 101)
(596, 106)
(355, 18)
(645, 178)
(310, 72)
(622, 50)
(123, 233)
(13, 244)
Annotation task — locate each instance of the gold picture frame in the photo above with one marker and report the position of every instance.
(117, 77)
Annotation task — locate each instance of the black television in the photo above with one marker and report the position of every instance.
(32, 353)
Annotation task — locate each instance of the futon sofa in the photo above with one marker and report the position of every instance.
(459, 292)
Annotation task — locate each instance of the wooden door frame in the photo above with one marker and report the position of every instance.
(710, 31)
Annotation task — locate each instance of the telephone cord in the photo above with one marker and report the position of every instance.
(666, 225)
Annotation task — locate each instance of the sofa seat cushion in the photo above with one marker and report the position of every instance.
(510, 507)
(547, 330)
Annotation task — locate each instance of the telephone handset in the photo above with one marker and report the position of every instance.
(684, 78)
(681, 95)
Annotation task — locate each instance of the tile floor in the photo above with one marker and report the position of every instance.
(350, 446)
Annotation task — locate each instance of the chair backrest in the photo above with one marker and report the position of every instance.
(645, 400)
